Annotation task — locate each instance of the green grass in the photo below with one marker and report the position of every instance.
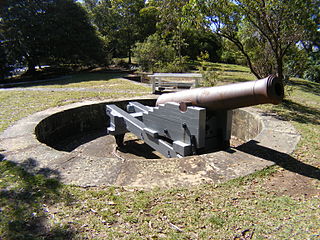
(15, 105)
(228, 73)
(102, 81)
(34, 207)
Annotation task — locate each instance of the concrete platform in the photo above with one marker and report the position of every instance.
(70, 143)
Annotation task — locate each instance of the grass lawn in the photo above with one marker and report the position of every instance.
(274, 203)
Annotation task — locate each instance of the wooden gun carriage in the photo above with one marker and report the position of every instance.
(192, 121)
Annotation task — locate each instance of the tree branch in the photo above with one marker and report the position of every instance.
(242, 50)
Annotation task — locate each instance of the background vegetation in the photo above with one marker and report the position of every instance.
(271, 37)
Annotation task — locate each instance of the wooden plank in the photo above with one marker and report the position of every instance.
(170, 122)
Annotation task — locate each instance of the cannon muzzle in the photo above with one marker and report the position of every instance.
(266, 90)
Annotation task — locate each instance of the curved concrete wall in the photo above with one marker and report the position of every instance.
(81, 120)
(21, 145)
(245, 124)
(77, 121)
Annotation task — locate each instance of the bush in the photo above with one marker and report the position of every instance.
(176, 66)
(210, 75)
(312, 73)
(4, 69)
(154, 53)
(296, 62)
(231, 54)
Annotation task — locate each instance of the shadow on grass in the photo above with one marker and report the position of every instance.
(24, 197)
(79, 78)
(307, 86)
(236, 71)
(298, 112)
(74, 78)
(231, 79)
(281, 159)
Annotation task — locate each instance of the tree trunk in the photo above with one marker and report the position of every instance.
(31, 67)
(129, 55)
(280, 68)
(244, 53)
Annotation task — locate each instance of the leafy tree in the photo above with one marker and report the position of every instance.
(48, 31)
(4, 70)
(200, 40)
(296, 61)
(125, 22)
(312, 48)
(265, 28)
(231, 54)
(149, 19)
(90, 4)
(74, 39)
(22, 25)
(154, 53)
(172, 22)
(120, 22)
(129, 22)
(176, 25)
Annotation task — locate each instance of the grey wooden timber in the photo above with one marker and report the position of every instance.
(122, 122)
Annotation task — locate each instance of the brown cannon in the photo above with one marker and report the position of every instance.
(266, 90)
(192, 121)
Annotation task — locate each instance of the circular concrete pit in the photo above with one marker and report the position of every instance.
(70, 143)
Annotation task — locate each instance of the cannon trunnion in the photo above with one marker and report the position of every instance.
(192, 121)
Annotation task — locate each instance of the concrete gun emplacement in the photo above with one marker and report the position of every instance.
(193, 121)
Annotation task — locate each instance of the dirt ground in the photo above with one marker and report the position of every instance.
(292, 184)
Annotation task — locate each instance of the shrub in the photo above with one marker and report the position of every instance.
(175, 66)
(154, 53)
(210, 75)
(4, 69)
(312, 73)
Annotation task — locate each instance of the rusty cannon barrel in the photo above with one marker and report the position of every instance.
(266, 90)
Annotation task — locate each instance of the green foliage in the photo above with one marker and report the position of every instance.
(122, 23)
(149, 18)
(200, 40)
(296, 62)
(172, 23)
(258, 50)
(4, 68)
(312, 73)
(75, 39)
(231, 54)
(302, 63)
(153, 53)
(48, 32)
(210, 75)
(178, 65)
(263, 32)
